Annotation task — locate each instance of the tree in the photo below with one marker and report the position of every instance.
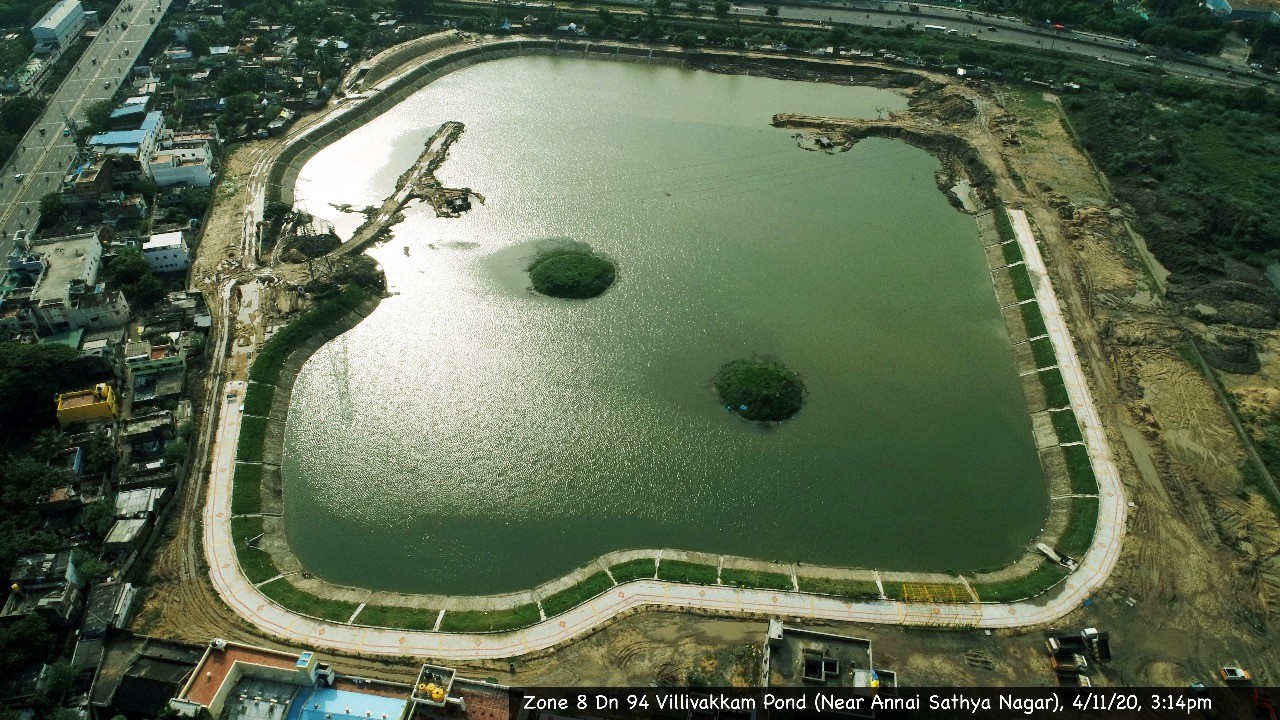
(19, 113)
(23, 642)
(131, 273)
(175, 453)
(52, 209)
(771, 11)
(663, 6)
(30, 377)
(47, 443)
(98, 517)
(96, 117)
(722, 8)
(195, 200)
(694, 6)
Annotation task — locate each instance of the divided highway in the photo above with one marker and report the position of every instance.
(37, 166)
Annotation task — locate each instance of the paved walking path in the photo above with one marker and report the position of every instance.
(1094, 568)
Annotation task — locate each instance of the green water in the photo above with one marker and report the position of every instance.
(471, 437)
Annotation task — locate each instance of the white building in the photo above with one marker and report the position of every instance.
(52, 287)
(181, 166)
(138, 144)
(166, 252)
(59, 27)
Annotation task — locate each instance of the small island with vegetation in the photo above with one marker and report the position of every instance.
(760, 389)
(572, 273)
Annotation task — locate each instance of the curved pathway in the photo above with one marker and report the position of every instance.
(236, 590)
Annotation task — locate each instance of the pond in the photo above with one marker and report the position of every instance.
(472, 437)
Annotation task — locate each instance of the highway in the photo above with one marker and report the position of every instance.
(45, 151)
(1012, 31)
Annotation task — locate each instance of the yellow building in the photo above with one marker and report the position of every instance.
(98, 403)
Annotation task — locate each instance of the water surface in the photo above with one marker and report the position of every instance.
(472, 437)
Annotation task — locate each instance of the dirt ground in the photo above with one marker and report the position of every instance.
(1192, 590)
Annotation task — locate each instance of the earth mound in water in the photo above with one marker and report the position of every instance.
(572, 274)
(762, 390)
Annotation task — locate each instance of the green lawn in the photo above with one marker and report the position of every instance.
(687, 572)
(253, 434)
(1042, 351)
(1005, 228)
(755, 579)
(575, 595)
(1065, 425)
(288, 595)
(1029, 585)
(1012, 253)
(1032, 320)
(860, 589)
(640, 569)
(490, 620)
(258, 398)
(1055, 391)
(246, 489)
(1022, 288)
(402, 618)
(1081, 523)
(256, 563)
(1083, 481)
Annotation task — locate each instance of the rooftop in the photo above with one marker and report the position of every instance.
(58, 13)
(216, 664)
(334, 704)
(79, 398)
(69, 259)
(163, 240)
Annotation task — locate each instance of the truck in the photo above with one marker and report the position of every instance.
(936, 28)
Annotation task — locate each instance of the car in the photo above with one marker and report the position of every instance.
(106, 83)
(1149, 57)
(19, 176)
(991, 28)
(66, 132)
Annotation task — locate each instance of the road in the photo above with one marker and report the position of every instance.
(1011, 31)
(45, 152)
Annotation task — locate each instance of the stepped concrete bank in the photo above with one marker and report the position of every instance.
(864, 595)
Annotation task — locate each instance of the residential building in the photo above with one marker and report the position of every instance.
(108, 608)
(45, 584)
(96, 403)
(166, 252)
(126, 537)
(51, 286)
(137, 144)
(59, 27)
(1267, 16)
(181, 167)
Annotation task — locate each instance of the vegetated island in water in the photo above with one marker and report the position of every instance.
(572, 273)
(760, 389)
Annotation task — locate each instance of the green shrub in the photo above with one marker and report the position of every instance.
(1012, 253)
(271, 357)
(758, 389)
(1065, 425)
(573, 274)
